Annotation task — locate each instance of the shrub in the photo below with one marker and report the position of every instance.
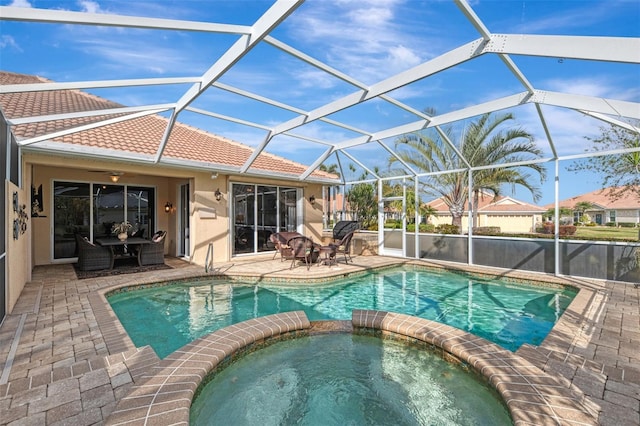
(428, 227)
(567, 230)
(626, 224)
(393, 224)
(564, 230)
(592, 224)
(448, 229)
(486, 230)
(611, 224)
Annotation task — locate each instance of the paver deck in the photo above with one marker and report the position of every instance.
(65, 359)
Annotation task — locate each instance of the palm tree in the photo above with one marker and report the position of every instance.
(581, 207)
(485, 142)
(427, 211)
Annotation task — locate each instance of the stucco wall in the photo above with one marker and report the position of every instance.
(56, 169)
(209, 217)
(507, 223)
(18, 258)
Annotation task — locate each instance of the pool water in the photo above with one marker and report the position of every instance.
(168, 317)
(346, 379)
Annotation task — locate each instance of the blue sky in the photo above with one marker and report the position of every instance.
(369, 40)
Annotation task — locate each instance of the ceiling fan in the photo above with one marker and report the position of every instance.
(114, 176)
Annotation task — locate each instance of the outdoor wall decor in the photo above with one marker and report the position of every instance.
(36, 201)
(20, 222)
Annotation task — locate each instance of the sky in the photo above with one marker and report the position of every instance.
(368, 40)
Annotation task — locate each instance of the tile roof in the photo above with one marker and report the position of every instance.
(487, 204)
(600, 198)
(136, 136)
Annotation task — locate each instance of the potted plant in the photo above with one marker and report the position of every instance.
(122, 229)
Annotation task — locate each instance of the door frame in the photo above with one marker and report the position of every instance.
(384, 249)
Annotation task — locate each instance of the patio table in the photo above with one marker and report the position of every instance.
(329, 257)
(112, 243)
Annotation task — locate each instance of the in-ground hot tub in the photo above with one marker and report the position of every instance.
(341, 379)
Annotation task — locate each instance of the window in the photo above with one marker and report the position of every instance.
(91, 210)
(260, 211)
(612, 216)
(71, 215)
(140, 201)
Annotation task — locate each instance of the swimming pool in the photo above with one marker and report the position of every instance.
(357, 380)
(509, 314)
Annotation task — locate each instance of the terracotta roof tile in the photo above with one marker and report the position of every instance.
(141, 135)
(600, 197)
(500, 205)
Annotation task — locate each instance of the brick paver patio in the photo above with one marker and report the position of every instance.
(64, 359)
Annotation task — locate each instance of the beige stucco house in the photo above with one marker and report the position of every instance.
(82, 182)
(507, 213)
(606, 209)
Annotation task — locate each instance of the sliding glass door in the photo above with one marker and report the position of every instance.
(71, 215)
(108, 208)
(140, 201)
(91, 210)
(260, 211)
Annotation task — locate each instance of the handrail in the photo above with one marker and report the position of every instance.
(208, 263)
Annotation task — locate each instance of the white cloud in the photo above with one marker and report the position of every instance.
(137, 54)
(20, 3)
(8, 41)
(593, 86)
(401, 56)
(365, 40)
(578, 17)
(90, 6)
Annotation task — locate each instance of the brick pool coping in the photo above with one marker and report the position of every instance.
(165, 393)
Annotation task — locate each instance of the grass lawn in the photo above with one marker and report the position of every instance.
(607, 232)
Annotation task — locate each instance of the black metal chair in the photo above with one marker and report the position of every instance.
(92, 257)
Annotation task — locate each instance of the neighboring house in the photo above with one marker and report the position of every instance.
(605, 210)
(507, 213)
(193, 187)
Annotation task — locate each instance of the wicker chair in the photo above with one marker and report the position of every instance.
(344, 246)
(302, 248)
(280, 241)
(153, 253)
(92, 257)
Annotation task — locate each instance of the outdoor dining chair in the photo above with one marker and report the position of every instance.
(302, 249)
(344, 246)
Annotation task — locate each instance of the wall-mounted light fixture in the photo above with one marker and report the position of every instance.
(168, 207)
(218, 194)
(214, 175)
(312, 199)
(114, 177)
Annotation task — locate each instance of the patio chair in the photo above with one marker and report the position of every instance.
(302, 248)
(138, 234)
(277, 244)
(92, 257)
(153, 253)
(280, 241)
(344, 246)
